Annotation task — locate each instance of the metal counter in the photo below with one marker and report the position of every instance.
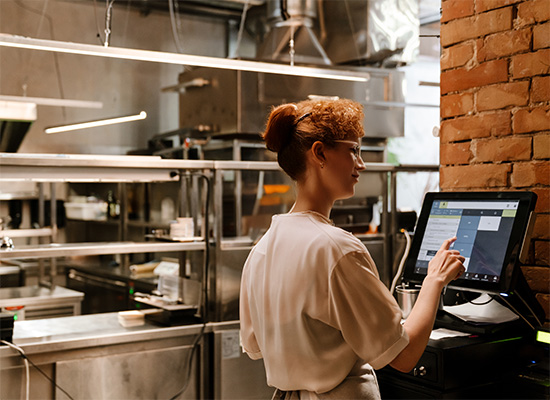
(93, 356)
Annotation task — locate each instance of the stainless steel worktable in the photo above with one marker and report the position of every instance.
(94, 356)
(87, 331)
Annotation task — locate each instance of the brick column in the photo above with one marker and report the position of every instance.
(495, 109)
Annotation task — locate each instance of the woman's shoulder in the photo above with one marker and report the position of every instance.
(333, 236)
(346, 240)
(313, 231)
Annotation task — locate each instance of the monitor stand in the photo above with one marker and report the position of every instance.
(449, 321)
(494, 315)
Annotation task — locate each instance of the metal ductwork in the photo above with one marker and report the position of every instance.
(354, 32)
(371, 32)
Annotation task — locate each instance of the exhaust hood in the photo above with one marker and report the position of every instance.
(15, 120)
(291, 37)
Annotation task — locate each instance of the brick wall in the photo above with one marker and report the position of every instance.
(495, 109)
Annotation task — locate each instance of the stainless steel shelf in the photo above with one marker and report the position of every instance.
(93, 168)
(97, 248)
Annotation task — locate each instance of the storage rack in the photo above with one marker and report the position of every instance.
(54, 168)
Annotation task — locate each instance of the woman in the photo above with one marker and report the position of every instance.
(312, 305)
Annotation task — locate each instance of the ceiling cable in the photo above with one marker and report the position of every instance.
(173, 23)
(352, 29)
(44, 16)
(241, 29)
(108, 21)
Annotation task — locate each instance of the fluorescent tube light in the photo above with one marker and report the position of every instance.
(92, 124)
(8, 40)
(44, 101)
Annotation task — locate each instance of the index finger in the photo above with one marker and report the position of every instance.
(447, 243)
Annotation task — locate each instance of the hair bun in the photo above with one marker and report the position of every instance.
(280, 127)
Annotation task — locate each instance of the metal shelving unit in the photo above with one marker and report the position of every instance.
(54, 168)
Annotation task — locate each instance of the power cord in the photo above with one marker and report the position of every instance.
(403, 259)
(27, 361)
(491, 298)
(189, 363)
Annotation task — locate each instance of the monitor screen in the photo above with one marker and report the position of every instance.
(489, 226)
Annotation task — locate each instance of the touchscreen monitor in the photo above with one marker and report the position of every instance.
(490, 228)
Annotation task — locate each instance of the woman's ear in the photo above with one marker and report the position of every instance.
(318, 151)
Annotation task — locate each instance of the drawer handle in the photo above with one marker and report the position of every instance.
(420, 371)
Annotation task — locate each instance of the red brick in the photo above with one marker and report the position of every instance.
(542, 227)
(538, 278)
(455, 9)
(486, 5)
(509, 148)
(541, 146)
(532, 173)
(474, 176)
(456, 104)
(542, 252)
(456, 31)
(534, 120)
(504, 44)
(532, 11)
(476, 126)
(503, 95)
(540, 89)
(543, 199)
(541, 36)
(454, 153)
(495, 21)
(459, 30)
(531, 64)
(457, 56)
(485, 74)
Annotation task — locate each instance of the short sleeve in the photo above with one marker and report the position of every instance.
(247, 336)
(364, 310)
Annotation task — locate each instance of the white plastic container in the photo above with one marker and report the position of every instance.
(86, 211)
(184, 228)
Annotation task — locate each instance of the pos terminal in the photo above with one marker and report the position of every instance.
(476, 359)
(492, 230)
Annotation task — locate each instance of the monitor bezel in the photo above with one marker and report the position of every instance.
(527, 201)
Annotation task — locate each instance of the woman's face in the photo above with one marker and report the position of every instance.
(343, 164)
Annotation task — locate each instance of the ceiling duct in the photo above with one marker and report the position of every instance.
(371, 32)
(352, 32)
(290, 36)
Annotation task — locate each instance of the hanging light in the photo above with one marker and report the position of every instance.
(47, 101)
(8, 40)
(93, 124)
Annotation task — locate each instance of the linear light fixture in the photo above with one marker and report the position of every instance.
(92, 124)
(44, 101)
(8, 40)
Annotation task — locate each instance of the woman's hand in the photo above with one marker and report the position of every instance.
(447, 265)
(443, 268)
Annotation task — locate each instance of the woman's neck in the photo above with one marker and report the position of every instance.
(306, 202)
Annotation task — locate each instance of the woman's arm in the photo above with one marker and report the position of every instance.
(446, 266)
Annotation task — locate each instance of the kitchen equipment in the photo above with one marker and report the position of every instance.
(15, 120)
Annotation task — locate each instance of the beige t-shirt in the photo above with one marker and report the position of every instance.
(312, 305)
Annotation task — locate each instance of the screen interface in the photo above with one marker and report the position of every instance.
(482, 229)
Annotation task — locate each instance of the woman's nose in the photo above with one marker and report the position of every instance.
(360, 163)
